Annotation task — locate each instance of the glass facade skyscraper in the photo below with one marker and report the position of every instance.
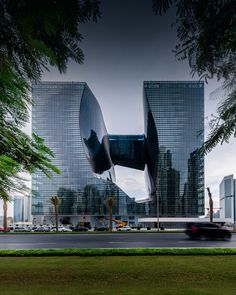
(68, 116)
(177, 115)
(21, 209)
(58, 110)
(228, 198)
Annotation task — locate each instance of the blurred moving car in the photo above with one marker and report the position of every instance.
(207, 230)
(124, 228)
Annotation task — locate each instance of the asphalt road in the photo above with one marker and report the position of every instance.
(117, 240)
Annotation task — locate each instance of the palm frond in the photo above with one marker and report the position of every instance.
(55, 200)
(184, 7)
(161, 6)
(224, 126)
(110, 202)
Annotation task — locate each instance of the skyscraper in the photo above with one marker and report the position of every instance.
(176, 109)
(68, 117)
(58, 110)
(21, 209)
(228, 198)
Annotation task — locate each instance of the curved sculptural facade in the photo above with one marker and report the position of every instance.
(168, 150)
(68, 117)
(106, 150)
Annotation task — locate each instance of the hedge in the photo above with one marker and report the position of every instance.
(117, 252)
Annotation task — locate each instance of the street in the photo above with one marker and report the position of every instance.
(115, 240)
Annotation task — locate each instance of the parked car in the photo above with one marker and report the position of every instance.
(101, 228)
(61, 229)
(137, 227)
(124, 228)
(207, 230)
(80, 228)
(42, 229)
(21, 229)
(66, 229)
(2, 229)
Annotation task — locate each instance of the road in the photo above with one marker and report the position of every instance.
(116, 240)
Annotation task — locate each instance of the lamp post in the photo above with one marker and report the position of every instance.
(158, 211)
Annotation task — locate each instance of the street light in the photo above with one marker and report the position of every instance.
(158, 211)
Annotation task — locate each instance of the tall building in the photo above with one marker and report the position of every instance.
(21, 209)
(176, 110)
(68, 117)
(228, 198)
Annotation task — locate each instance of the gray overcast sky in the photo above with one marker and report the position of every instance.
(128, 45)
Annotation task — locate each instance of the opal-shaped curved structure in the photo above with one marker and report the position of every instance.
(105, 150)
(168, 151)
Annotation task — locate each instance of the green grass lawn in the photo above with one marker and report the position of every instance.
(118, 275)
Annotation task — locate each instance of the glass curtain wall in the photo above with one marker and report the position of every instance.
(177, 109)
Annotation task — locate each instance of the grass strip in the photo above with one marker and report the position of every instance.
(134, 275)
(117, 252)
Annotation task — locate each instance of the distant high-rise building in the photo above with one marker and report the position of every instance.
(175, 110)
(21, 209)
(18, 210)
(228, 198)
(68, 117)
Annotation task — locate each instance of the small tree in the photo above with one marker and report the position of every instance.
(5, 197)
(55, 201)
(5, 215)
(110, 203)
(9, 182)
(210, 204)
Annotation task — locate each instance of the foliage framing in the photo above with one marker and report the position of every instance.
(33, 36)
(206, 32)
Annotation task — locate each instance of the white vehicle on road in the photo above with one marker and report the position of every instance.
(61, 229)
(124, 228)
